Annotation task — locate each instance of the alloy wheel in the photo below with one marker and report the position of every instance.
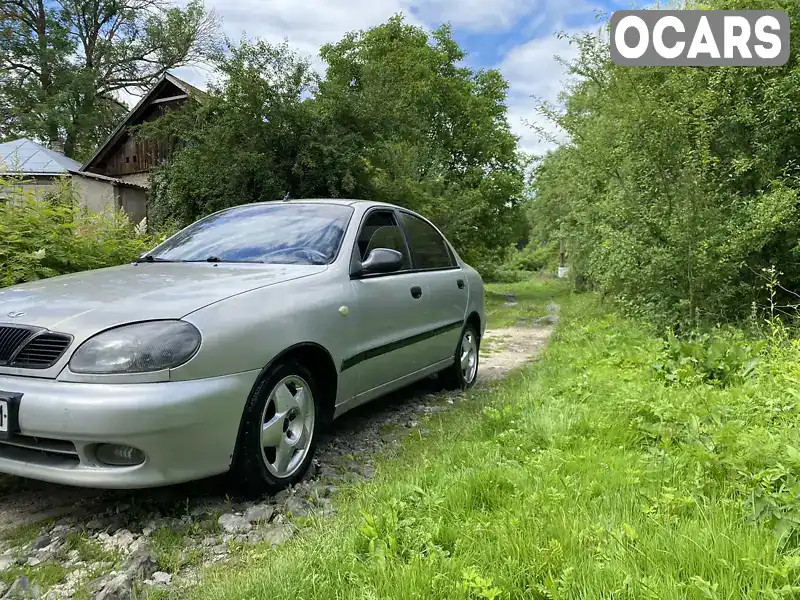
(469, 357)
(287, 426)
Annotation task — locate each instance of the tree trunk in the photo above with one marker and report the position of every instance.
(44, 60)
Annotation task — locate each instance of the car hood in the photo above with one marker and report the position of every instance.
(103, 298)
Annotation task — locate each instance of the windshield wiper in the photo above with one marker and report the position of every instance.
(217, 259)
(150, 258)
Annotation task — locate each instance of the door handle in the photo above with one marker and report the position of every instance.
(416, 292)
(460, 283)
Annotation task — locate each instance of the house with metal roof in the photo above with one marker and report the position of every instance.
(36, 169)
(26, 156)
(118, 173)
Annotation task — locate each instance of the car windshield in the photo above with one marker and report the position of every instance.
(302, 234)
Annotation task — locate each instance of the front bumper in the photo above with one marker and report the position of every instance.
(186, 429)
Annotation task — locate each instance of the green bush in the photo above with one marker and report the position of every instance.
(518, 265)
(534, 257)
(678, 186)
(53, 235)
(504, 274)
(719, 360)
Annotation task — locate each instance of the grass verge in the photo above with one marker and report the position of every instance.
(515, 304)
(584, 476)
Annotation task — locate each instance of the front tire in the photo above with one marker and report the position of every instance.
(464, 371)
(280, 430)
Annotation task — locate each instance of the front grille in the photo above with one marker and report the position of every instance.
(10, 340)
(42, 351)
(40, 451)
(31, 347)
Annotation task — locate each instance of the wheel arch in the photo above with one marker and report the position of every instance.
(474, 319)
(317, 359)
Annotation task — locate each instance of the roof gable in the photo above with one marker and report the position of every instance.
(26, 157)
(167, 89)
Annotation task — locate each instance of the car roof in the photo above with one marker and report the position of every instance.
(335, 201)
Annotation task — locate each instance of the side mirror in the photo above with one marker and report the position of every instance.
(381, 260)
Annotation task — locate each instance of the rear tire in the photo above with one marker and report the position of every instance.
(279, 432)
(464, 371)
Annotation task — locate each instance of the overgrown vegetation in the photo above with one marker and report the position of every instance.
(677, 185)
(722, 359)
(522, 264)
(396, 118)
(54, 235)
(585, 476)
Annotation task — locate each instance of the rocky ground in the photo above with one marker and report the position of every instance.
(58, 542)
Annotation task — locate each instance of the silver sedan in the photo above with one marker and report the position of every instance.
(229, 346)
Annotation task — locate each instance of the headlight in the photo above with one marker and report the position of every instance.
(137, 348)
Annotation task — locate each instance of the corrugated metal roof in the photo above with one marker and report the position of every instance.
(29, 158)
(107, 179)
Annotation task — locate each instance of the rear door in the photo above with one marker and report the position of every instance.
(446, 285)
(390, 309)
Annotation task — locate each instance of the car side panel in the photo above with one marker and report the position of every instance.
(446, 306)
(248, 331)
(391, 324)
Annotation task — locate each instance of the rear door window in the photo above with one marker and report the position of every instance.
(428, 248)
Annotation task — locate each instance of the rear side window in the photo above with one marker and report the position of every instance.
(428, 248)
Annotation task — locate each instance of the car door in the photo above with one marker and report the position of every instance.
(446, 285)
(390, 309)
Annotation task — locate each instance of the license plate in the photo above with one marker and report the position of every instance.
(9, 414)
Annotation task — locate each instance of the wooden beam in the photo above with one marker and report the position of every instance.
(170, 99)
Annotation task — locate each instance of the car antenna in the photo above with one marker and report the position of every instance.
(287, 197)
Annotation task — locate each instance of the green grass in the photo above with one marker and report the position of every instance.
(45, 575)
(169, 549)
(25, 534)
(89, 550)
(532, 298)
(584, 476)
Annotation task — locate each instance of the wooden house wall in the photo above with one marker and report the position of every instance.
(138, 156)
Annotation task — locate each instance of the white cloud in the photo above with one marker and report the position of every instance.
(535, 75)
(477, 15)
(308, 24)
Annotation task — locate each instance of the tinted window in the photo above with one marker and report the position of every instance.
(428, 248)
(381, 230)
(305, 234)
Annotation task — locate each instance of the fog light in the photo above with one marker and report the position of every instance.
(117, 455)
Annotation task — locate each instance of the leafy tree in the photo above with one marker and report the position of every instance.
(252, 138)
(678, 185)
(395, 119)
(435, 135)
(64, 62)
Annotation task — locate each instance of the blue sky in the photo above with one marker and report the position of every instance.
(515, 36)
